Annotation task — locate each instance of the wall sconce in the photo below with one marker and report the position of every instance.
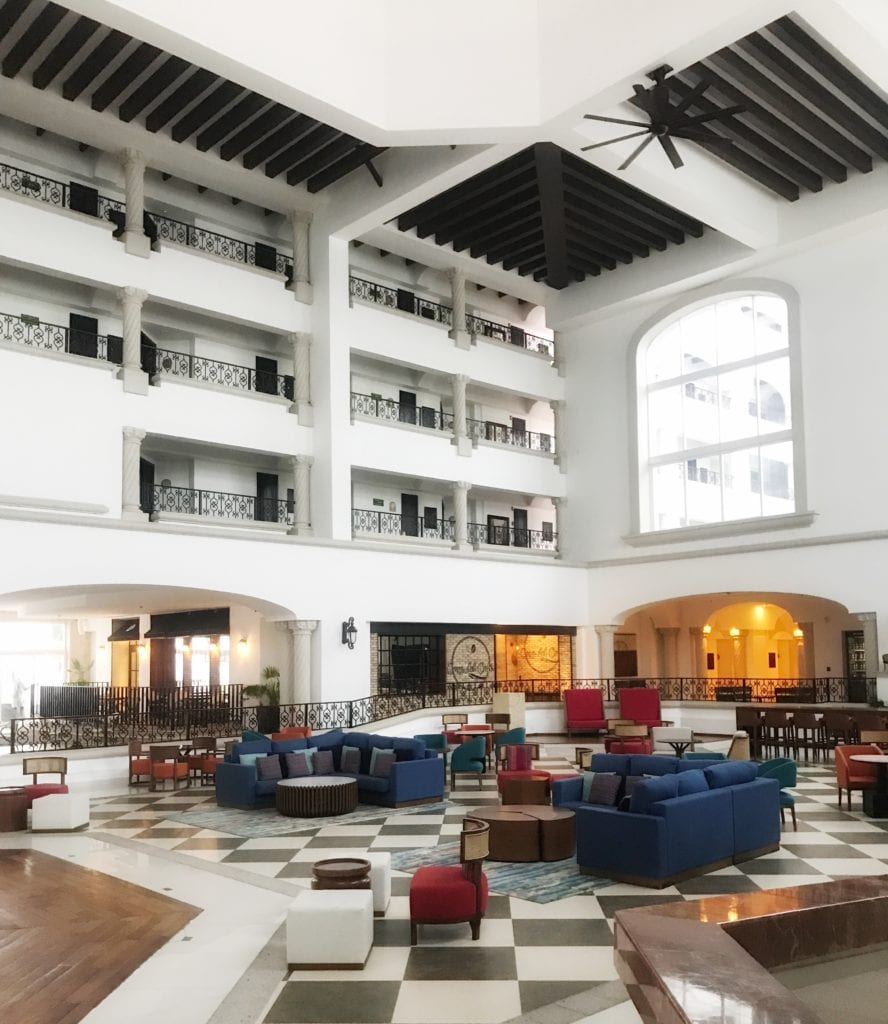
(734, 631)
(707, 629)
(242, 646)
(349, 633)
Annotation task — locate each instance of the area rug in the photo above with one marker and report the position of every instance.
(263, 822)
(540, 882)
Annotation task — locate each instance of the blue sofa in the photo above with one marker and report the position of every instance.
(417, 777)
(684, 819)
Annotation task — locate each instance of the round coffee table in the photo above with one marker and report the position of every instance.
(529, 832)
(13, 809)
(341, 873)
(316, 796)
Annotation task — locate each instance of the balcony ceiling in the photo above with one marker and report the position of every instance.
(86, 62)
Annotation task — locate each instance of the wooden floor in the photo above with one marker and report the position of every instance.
(69, 936)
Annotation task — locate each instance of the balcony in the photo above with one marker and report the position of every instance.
(162, 501)
(405, 301)
(372, 522)
(390, 411)
(181, 366)
(29, 332)
(84, 199)
(498, 433)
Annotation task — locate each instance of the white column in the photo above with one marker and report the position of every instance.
(301, 223)
(135, 241)
(460, 438)
(458, 303)
(558, 429)
(461, 515)
(299, 690)
(134, 378)
(560, 505)
(606, 651)
(132, 451)
(302, 496)
(301, 342)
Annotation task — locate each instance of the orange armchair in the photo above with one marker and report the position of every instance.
(855, 774)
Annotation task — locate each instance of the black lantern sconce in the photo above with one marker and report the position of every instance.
(349, 633)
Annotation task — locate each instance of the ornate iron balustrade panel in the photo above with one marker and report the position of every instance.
(395, 412)
(531, 440)
(393, 524)
(220, 505)
(214, 371)
(370, 291)
(510, 536)
(33, 186)
(52, 337)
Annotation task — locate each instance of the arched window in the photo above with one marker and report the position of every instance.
(715, 425)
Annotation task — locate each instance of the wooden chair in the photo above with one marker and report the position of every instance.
(168, 764)
(457, 893)
(139, 764)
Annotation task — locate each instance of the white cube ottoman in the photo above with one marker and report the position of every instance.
(60, 812)
(380, 880)
(330, 928)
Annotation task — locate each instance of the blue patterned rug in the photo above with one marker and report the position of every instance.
(540, 882)
(263, 822)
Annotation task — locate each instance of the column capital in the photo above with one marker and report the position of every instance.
(132, 294)
(302, 626)
(300, 216)
(133, 434)
(606, 630)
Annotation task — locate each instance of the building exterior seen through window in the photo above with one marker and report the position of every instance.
(715, 415)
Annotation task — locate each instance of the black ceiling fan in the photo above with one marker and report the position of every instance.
(668, 121)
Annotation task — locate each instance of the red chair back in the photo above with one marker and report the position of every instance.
(640, 704)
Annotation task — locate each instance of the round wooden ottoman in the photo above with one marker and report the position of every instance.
(316, 796)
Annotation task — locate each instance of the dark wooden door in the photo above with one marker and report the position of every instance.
(410, 515)
(146, 485)
(266, 510)
(266, 375)
(83, 335)
(498, 530)
(407, 407)
(519, 522)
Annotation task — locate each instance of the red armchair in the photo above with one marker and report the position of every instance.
(641, 705)
(584, 711)
(855, 774)
(452, 894)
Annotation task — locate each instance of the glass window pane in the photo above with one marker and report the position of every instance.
(736, 333)
(741, 484)
(663, 361)
(774, 410)
(698, 340)
(704, 490)
(701, 411)
(667, 497)
(664, 420)
(778, 493)
(771, 331)
(737, 408)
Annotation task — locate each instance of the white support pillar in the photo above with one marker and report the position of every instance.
(299, 690)
(460, 438)
(458, 330)
(135, 380)
(301, 342)
(606, 650)
(558, 430)
(132, 452)
(301, 224)
(135, 241)
(461, 516)
(302, 496)
(560, 505)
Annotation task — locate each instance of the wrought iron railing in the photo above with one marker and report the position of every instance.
(484, 430)
(512, 536)
(212, 371)
(34, 333)
(398, 412)
(407, 302)
(393, 524)
(216, 504)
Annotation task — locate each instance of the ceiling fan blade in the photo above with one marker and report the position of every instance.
(620, 138)
(635, 152)
(692, 96)
(670, 151)
(616, 120)
(715, 114)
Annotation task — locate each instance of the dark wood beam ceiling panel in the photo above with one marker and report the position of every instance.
(357, 158)
(206, 111)
(196, 84)
(124, 76)
(64, 51)
(99, 58)
(35, 34)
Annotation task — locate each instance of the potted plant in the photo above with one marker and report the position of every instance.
(268, 693)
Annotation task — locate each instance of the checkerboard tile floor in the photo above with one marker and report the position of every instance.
(529, 954)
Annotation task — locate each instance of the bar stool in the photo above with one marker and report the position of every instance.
(809, 734)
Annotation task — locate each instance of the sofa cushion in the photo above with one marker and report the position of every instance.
(381, 762)
(652, 764)
(298, 764)
(618, 763)
(691, 782)
(250, 758)
(269, 767)
(350, 760)
(322, 762)
(601, 788)
(729, 773)
(650, 791)
(373, 784)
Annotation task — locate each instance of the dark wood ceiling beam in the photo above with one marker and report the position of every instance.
(550, 179)
(362, 155)
(833, 70)
(790, 73)
(473, 231)
(234, 118)
(257, 129)
(98, 59)
(452, 223)
(523, 253)
(468, 191)
(170, 71)
(599, 208)
(337, 146)
(64, 51)
(631, 196)
(35, 34)
(488, 242)
(629, 218)
(606, 234)
(498, 209)
(751, 80)
(205, 111)
(595, 245)
(132, 66)
(533, 264)
(768, 164)
(10, 13)
(773, 126)
(283, 139)
(196, 84)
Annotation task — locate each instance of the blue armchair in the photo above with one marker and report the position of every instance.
(470, 758)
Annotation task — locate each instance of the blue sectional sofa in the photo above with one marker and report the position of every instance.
(417, 777)
(683, 818)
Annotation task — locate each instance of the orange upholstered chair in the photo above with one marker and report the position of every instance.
(854, 774)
